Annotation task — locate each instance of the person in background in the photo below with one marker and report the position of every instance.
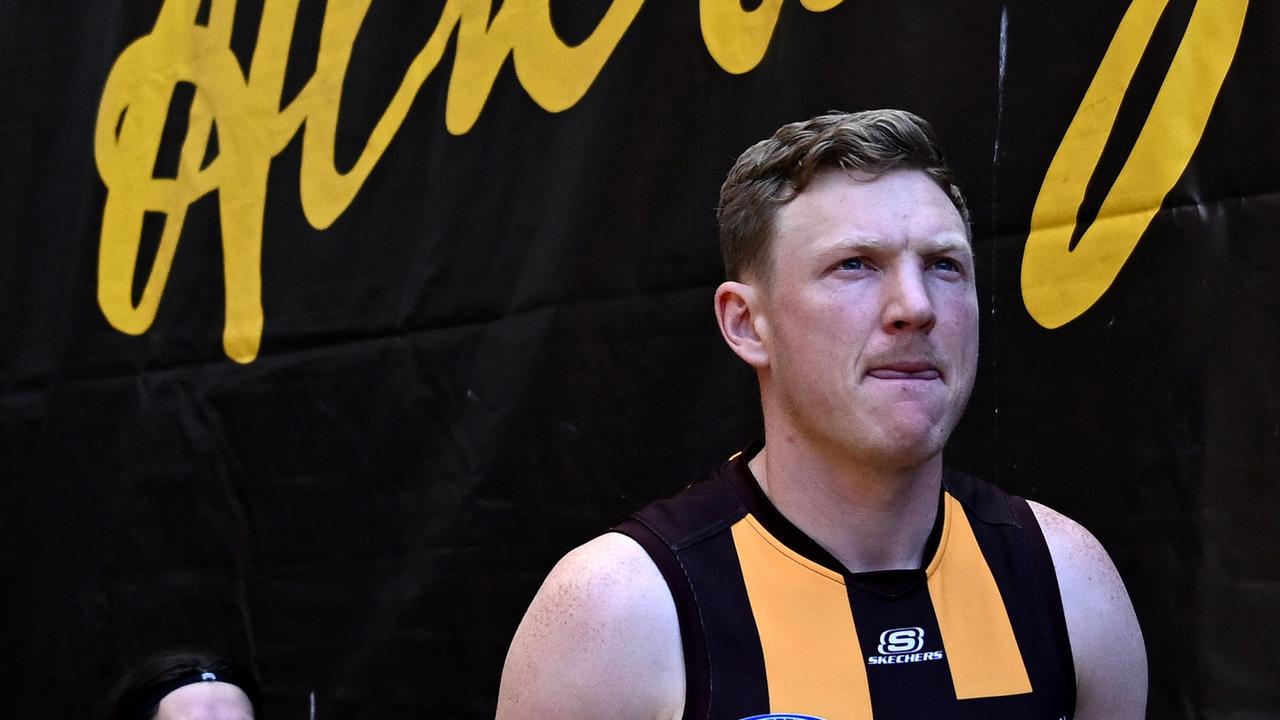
(183, 685)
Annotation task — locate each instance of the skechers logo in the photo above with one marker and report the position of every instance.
(783, 716)
(901, 640)
(902, 645)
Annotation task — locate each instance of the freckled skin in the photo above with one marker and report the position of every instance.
(601, 633)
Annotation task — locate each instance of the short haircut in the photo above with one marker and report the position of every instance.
(772, 172)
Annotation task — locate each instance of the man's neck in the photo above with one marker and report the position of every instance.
(868, 518)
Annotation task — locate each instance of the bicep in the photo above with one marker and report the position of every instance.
(1106, 641)
(600, 639)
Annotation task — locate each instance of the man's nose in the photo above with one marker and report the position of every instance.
(907, 305)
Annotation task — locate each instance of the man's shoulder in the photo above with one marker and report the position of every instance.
(605, 588)
(1069, 539)
(1110, 657)
(601, 633)
(1086, 575)
(607, 574)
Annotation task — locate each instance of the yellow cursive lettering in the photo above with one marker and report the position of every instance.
(555, 75)
(1060, 283)
(252, 128)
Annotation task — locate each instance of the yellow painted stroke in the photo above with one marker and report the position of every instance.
(736, 38)
(1059, 284)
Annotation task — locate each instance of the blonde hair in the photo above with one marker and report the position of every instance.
(772, 172)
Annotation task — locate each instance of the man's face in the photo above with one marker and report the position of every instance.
(871, 317)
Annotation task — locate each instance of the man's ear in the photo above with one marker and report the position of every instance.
(739, 311)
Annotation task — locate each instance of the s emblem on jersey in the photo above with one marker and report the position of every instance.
(902, 645)
(901, 640)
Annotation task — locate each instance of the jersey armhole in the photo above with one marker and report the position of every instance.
(697, 692)
(1047, 579)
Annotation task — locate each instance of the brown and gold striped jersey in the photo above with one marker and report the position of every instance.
(772, 624)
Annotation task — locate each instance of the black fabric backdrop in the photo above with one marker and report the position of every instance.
(505, 344)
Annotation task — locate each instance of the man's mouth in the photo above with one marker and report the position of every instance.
(905, 370)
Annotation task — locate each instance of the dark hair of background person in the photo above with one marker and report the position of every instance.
(138, 694)
(773, 171)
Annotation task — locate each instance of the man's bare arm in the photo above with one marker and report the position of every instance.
(1110, 658)
(600, 640)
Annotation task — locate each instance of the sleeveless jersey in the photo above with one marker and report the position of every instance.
(772, 624)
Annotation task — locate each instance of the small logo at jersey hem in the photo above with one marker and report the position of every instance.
(782, 716)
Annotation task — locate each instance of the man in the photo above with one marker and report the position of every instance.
(838, 571)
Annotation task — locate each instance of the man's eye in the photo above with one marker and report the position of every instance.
(852, 264)
(946, 265)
